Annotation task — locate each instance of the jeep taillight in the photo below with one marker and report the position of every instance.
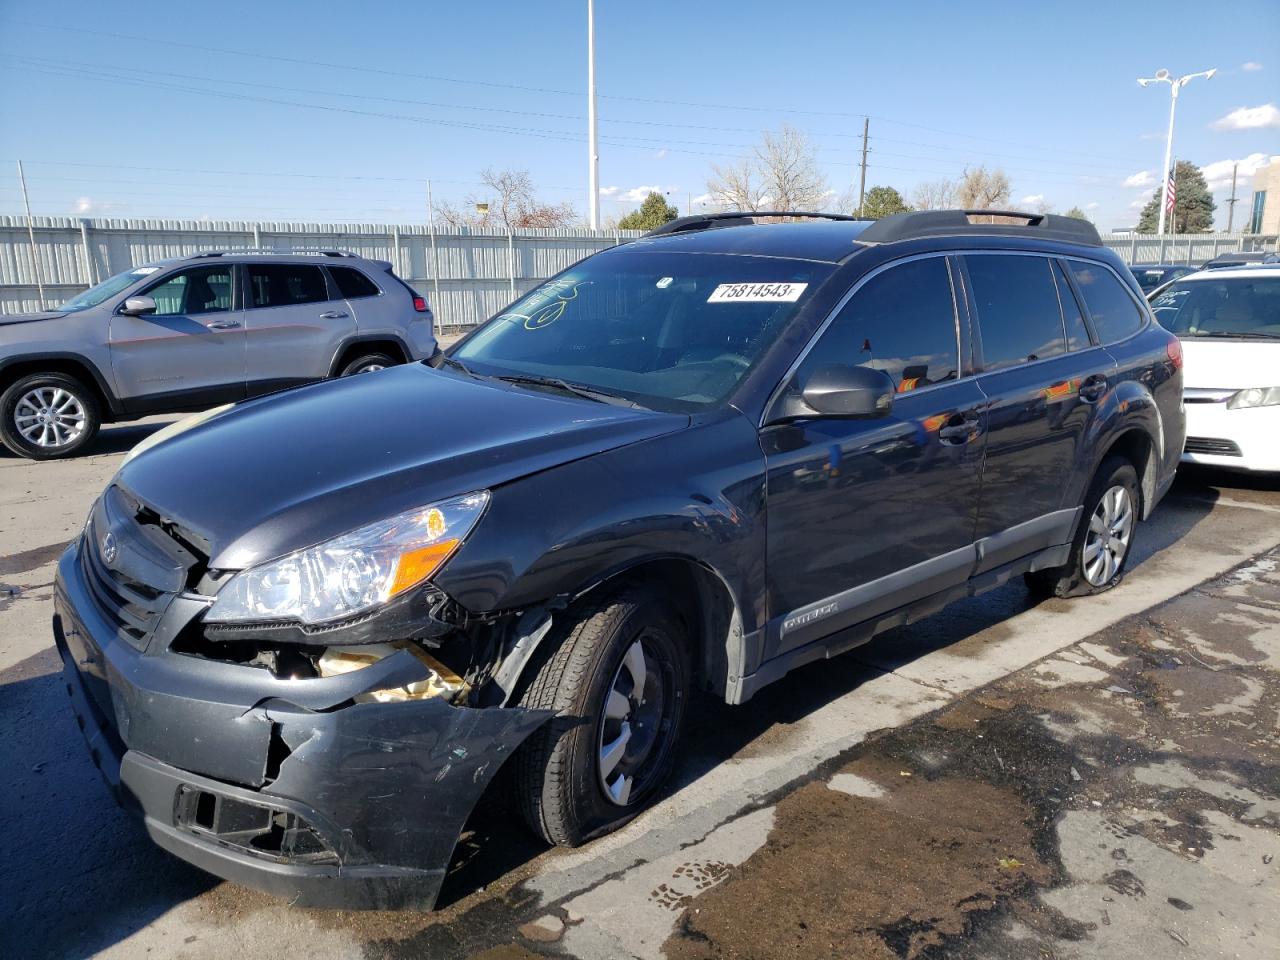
(420, 304)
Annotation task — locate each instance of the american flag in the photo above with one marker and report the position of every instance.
(1170, 194)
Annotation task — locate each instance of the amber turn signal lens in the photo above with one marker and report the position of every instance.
(415, 566)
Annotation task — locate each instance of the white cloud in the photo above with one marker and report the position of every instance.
(703, 199)
(1250, 66)
(1034, 198)
(609, 191)
(86, 206)
(661, 153)
(1091, 206)
(637, 194)
(1139, 203)
(1218, 173)
(1249, 118)
(1143, 178)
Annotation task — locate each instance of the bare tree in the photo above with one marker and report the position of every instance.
(980, 189)
(783, 173)
(509, 201)
(934, 195)
(789, 170)
(735, 186)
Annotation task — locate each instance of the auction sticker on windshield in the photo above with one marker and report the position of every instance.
(757, 293)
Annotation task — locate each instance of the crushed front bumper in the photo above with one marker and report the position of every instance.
(283, 785)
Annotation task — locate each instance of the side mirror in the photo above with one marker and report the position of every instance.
(137, 306)
(839, 390)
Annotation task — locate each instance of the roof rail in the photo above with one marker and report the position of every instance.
(735, 218)
(258, 251)
(953, 223)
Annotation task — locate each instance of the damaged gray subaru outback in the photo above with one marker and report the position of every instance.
(302, 634)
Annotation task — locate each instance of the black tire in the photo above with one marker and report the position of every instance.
(559, 779)
(367, 363)
(90, 417)
(1071, 579)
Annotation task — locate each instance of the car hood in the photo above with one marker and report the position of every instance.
(30, 317)
(1230, 364)
(287, 471)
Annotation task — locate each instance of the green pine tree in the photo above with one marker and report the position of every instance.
(1193, 205)
(883, 202)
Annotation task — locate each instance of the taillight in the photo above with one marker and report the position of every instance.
(420, 304)
(1175, 352)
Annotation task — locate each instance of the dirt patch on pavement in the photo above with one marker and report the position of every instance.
(844, 875)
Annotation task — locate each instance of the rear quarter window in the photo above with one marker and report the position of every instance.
(353, 284)
(1114, 314)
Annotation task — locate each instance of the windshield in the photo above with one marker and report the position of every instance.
(1230, 307)
(671, 331)
(106, 289)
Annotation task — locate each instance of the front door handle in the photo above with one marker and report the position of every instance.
(960, 429)
(223, 325)
(1093, 388)
(333, 315)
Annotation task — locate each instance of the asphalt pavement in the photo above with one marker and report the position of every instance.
(1084, 778)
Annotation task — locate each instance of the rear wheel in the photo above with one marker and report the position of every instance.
(617, 681)
(47, 415)
(367, 363)
(1102, 545)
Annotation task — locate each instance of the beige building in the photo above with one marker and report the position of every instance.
(1264, 208)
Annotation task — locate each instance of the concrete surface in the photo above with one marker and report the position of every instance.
(1010, 864)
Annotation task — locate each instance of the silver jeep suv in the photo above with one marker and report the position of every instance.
(193, 332)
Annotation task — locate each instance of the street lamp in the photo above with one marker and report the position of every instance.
(1163, 76)
(593, 148)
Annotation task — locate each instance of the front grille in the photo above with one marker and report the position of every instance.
(147, 568)
(253, 828)
(1214, 446)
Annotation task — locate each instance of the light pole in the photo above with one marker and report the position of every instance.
(593, 150)
(1163, 76)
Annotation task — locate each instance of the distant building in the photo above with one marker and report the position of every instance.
(1264, 209)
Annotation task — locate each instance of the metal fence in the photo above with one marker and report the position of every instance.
(468, 275)
(1191, 248)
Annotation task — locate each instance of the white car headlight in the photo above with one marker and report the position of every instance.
(1254, 397)
(355, 572)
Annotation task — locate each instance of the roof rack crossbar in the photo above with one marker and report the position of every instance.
(733, 218)
(952, 223)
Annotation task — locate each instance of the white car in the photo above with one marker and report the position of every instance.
(1228, 321)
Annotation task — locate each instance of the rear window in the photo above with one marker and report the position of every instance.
(1018, 310)
(1114, 314)
(353, 284)
(285, 284)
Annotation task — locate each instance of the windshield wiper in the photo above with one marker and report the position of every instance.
(586, 393)
(459, 365)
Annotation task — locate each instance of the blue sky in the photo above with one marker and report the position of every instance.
(184, 110)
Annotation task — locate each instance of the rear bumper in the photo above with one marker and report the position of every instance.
(356, 806)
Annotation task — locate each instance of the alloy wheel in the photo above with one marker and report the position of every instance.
(1110, 530)
(632, 725)
(49, 417)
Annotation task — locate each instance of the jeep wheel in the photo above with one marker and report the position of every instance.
(617, 681)
(47, 415)
(1104, 541)
(367, 363)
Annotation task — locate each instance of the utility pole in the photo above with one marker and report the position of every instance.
(593, 147)
(31, 235)
(1231, 204)
(862, 176)
(435, 258)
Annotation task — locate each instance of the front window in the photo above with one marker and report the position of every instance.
(671, 331)
(106, 289)
(1227, 308)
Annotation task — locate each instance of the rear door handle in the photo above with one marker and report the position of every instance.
(223, 324)
(334, 315)
(1093, 388)
(960, 429)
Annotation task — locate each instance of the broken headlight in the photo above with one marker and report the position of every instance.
(353, 573)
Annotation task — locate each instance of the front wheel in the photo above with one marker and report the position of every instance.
(367, 363)
(617, 680)
(44, 416)
(1101, 547)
